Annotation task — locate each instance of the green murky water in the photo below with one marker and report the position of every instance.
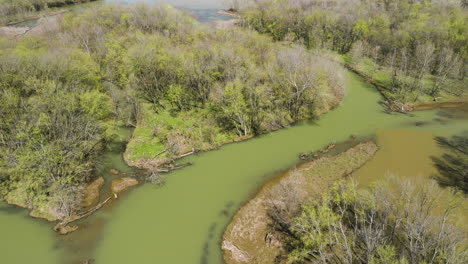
(25, 240)
(182, 222)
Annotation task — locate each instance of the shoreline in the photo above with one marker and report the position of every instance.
(227, 12)
(400, 107)
(248, 237)
(35, 17)
(45, 12)
(148, 164)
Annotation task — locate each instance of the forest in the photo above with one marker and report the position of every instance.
(393, 221)
(73, 87)
(181, 86)
(414, 50)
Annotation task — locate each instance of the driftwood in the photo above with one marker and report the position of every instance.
(186, 154)
(174, 167)
(159, 153)
(170, 166)
(304, 155)
(327, 149)
(62, 225)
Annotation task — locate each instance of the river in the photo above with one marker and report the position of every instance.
(202, 10)
(182, 221)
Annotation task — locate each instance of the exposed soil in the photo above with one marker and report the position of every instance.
(91, 192)
(122, 184)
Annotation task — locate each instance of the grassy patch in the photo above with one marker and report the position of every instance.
(176, 132)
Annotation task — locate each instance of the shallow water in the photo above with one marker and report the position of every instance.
(403, 152)
(406, 154)
(202, 10)
(25, 240)
(198, 4)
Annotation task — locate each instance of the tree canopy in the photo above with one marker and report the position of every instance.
(393, 221)
(416, 49)
(65, 91)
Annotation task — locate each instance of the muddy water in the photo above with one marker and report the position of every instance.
(407, 154)
(182, 222)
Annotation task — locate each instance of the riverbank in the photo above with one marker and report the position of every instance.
(251, 236)
(228, 177)
(32, 19)
(41, 25)
(14, 13)
(417, 101)
(213, 100)
(159, 140)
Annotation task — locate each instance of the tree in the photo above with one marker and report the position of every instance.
(448, 64)
(64, 93)
(424, 58)
(392, 222)
(432, 34)
(297, 78)
(235, 108)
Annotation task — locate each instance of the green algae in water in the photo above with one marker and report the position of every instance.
(183, 221)
(24, 239)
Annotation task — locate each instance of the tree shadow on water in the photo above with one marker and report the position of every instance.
(206, 246)
(453, 164)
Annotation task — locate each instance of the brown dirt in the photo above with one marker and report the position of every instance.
(456, 103)
(91, 192)
(121, 184)
(63, 230)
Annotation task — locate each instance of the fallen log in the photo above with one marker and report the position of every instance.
(186, 154)
(159, 153)
(62, 226)
(174, 167)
